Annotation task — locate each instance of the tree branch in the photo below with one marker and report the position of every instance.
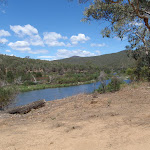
(145, 18)
(111, 1)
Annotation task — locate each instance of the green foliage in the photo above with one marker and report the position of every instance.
(113, 86)
(76, 78)
(139, 73)
(10, 77)
(28, 70)
(129, 18)
(23, 88)
(26, 77)
(131, 73)
(108, 62)
(26, 83)
(6, 94)
(37, 74)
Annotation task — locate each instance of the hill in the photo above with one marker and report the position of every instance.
(71, 70)
(19, 70)
(111, 61)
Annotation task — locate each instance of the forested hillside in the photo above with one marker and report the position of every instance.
(20, 70)
(71, 70)
(114, 61)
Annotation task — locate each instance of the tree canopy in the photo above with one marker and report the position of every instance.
(114, 11)
(126, 19)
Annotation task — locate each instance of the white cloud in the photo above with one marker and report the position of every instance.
(51, 39)
(20, 45)
(35, 40)
(98, 45)
(98, 52)
(46, 57)
(29, 32)
(64, 53)
(21, 31)
(79, 38)
(11, 55)
(42, 51)
(8, 51)
(3, 40)
(4, 33)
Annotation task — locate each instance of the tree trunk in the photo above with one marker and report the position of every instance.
(27, 108)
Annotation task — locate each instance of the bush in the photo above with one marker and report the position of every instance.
(29, 83)
(6, 94)
(139, 73)
(114, 85)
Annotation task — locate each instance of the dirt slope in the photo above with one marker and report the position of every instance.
(113, 121)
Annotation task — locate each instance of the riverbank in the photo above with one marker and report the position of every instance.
(24, 88)
(7, 93)
(110, 121)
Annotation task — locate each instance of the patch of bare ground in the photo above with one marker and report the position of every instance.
(111, 121)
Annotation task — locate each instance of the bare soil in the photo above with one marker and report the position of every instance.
(112, 121)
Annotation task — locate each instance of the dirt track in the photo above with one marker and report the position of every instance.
(113, 121)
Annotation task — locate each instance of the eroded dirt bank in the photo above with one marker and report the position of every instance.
(112, 121)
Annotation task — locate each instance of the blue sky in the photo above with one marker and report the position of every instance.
(52, 29)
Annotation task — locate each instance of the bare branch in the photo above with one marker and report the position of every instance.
(145, 18)
(111, 1)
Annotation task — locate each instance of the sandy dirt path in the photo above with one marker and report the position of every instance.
(113, 121)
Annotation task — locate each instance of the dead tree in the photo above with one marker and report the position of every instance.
(27, 108)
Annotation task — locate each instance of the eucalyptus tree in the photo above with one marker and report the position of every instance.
(119, 10)
(125, 19)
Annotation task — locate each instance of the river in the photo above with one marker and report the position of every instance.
(54, 93)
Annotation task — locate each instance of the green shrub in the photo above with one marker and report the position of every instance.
(6, 94)
(29, 83)
(114, 85)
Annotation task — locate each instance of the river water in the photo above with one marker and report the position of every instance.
(54, 93)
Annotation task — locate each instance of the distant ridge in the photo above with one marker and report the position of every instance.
(114, 60)
(75, 57)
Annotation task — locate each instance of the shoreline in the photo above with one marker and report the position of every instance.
(23, 88)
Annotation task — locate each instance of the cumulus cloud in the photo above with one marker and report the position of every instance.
(21, 31)
(79, 38)
(47, 57)
(28, 32)
(64, 53)
(42, 51)
(8, 51)
(3, 41)
(20, 45)
(98, 45)
(98, 52)
(35, 40)
(4, 33)
(10, 54)
(51, 39)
